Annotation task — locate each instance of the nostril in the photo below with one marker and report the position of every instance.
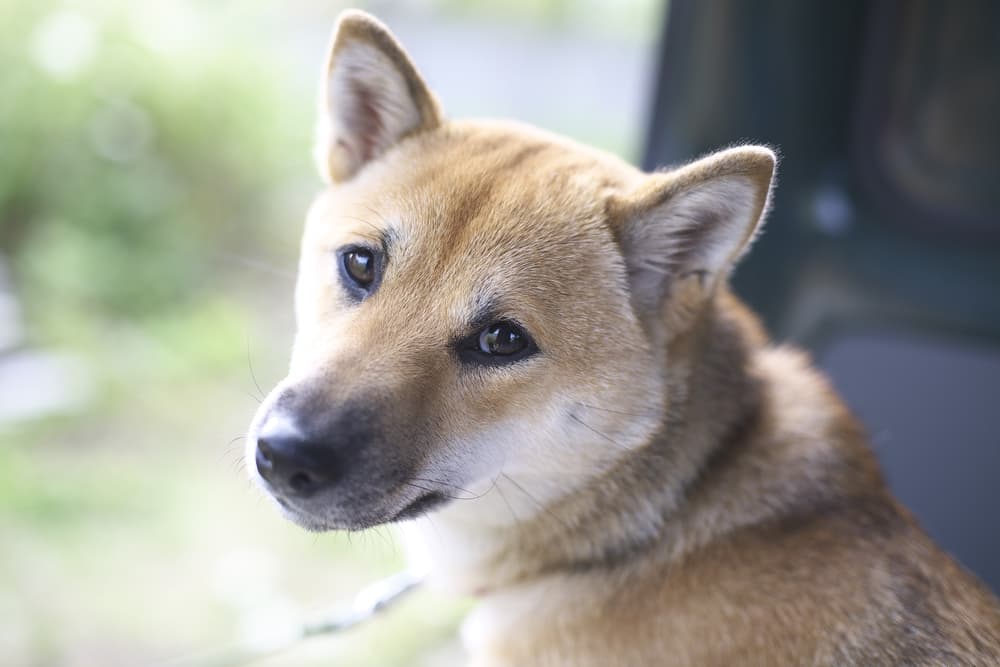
(301, 482)
(265, 450)
(264, 458)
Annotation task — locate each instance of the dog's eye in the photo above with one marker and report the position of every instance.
(360, 266)
(360, 270)
(502, 338)
(500, 343)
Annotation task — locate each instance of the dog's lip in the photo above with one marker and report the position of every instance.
(421, 505)
(416, 507)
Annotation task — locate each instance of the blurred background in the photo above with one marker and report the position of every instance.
(155, 170)
(882, 254)
(154, 173)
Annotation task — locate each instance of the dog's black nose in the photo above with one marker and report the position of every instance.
(293, 464)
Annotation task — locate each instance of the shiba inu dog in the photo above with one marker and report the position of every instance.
(528, 348)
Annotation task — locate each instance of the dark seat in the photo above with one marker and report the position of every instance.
(883, 252)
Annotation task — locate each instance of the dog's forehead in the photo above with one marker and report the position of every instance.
(500, 180)
(506, 215)
(481, 220)
(500, 191)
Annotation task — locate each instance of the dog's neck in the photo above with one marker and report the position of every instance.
(715, 399)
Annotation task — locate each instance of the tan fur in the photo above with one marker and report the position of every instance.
(659, 485)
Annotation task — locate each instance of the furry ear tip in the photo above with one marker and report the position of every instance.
(351, 19)
(765, 158)
(760, 152)
(760, 161)
(357, 25)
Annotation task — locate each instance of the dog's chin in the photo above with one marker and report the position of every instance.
(359, 519)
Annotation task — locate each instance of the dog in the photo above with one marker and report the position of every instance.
(527, 349)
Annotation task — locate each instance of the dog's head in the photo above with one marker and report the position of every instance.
(478, 298)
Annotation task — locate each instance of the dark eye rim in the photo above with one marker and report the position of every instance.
(356, 290)
(470, 354)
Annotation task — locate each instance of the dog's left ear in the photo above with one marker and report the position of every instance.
(371, 96)
(681, 231)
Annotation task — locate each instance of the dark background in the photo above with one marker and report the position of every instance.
(882, 254)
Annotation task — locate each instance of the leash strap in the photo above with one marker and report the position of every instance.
(372, 600)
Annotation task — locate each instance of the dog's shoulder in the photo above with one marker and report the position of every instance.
(792, 520)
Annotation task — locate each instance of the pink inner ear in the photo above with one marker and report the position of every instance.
(372, 99)
(364, 121)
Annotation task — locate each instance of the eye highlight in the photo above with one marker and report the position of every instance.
(501, 342)
(360, 265)
(360, 270)
(503, 339)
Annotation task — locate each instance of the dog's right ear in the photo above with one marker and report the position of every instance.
(371, 96)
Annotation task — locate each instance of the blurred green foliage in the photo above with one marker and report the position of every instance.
(153, 159)
(125, 167)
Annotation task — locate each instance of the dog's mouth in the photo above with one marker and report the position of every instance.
(422, 505)
(312, 520)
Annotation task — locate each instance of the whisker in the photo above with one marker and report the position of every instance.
(506, 502)
(537, 502)
(430, 490)
(446, 495)
(472, 494)
(230, 449)
(417, 486)
(253, 375)
(595, 431)
(389, 541)
(616, 412)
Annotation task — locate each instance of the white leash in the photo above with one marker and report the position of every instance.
(374, 598)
